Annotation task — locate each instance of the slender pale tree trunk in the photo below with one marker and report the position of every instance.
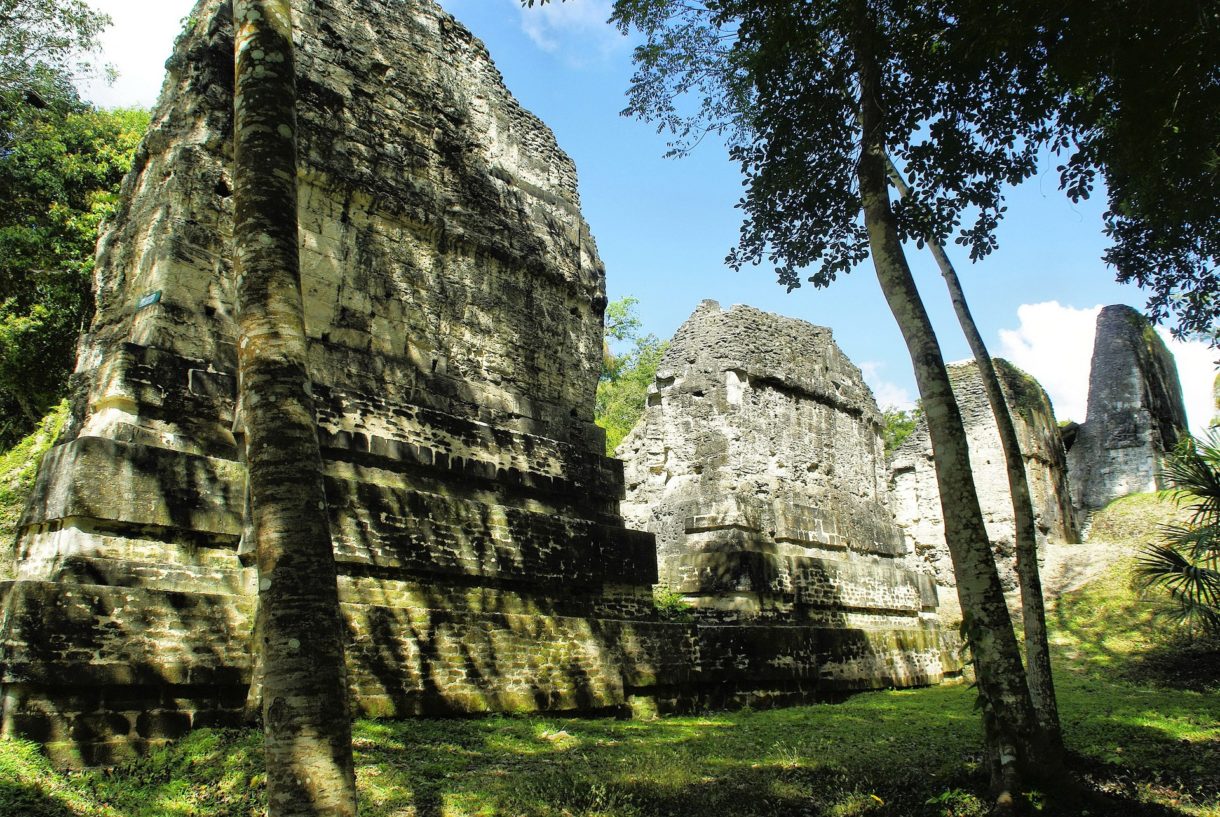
(306, 723)
(1007, 710)
(1033, 609)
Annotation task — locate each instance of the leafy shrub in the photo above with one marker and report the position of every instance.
(671, 605)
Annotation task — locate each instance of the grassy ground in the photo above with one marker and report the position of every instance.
(1107, 628)
(1152, 748)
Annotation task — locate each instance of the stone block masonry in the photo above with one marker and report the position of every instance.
(917, 496)
(453, 303)
(759, 467)
(1135, 412)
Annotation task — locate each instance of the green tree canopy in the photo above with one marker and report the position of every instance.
(1128, 93)
(623, 388)
(61, 164)
(897, 424)
(61, 179)
(776, 81)
(43, 45)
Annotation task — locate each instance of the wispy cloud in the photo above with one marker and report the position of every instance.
(1054, 343)
(888, 394)
(575, 30)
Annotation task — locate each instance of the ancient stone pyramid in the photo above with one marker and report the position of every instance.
(759, 466)
(454, 303)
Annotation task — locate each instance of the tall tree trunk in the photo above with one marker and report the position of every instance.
(1007, 710)
(306, 723)
(1033, 609)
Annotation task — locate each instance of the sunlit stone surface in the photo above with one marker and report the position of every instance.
(917, 496)
(759, 466)
(453, 299)
(1135, 414)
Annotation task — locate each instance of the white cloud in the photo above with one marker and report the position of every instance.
(576, 30)
(137, 45)
(1054, 343)
(1197, 371)
(888, 394)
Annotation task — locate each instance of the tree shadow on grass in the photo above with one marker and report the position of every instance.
(889, 757)
(884, 754)
(30, 800)
(1183, 664)
(217, 772)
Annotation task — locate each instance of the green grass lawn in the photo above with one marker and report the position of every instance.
(1153, 747)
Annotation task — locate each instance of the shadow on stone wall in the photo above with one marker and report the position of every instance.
(413, 662)
(128, 623)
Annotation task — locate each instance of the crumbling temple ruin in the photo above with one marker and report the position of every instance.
(759, 466)
(913, 476)
(453, 300)
(1135, 412)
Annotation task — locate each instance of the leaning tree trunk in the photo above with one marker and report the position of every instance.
(1007, 711)
(306, 724)
(1033, 609)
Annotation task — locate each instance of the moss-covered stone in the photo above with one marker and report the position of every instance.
(453, 302)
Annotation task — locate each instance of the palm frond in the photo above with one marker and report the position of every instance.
(1189, 614)
(1193, 471)
(1201, 542)
(1193, 589)
(1185, 566)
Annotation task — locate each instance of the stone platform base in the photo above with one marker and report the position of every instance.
(116, 671)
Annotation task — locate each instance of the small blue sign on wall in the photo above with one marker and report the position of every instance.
(148, 300)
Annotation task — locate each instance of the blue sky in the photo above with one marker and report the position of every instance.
(663, 226)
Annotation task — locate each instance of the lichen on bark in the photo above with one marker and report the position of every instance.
(307, 729)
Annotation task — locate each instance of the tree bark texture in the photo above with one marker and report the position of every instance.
(306, 722)
(1033, 608)
(1007, 711)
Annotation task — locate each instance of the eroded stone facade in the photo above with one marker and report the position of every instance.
(913, 475)
(453, 303)
(1135, 412)
(759, 466)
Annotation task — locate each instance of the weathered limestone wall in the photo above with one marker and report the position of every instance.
(453, 301)
(913, 476)
(759, 466)
(1135, 414)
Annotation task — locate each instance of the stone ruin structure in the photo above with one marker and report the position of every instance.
(1135, 412)
(759, 466)
(454, 301)
(913, 476)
